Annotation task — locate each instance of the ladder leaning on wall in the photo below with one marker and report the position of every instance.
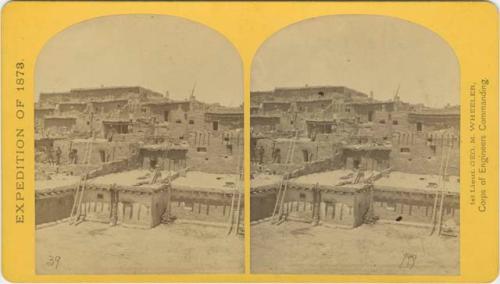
(440, 194)
(234, 224)
(280, 196)
(76, 211)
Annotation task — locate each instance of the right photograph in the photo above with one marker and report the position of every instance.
(355, 149)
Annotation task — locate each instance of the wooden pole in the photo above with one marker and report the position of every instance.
(443, 191)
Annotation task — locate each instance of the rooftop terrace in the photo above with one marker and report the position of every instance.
(207, 182)
(399, 181)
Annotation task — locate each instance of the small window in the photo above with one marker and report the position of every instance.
(382, 121)
(191, 121)
(395, 122)
(201, 149)
(419, 126)
(102, 155)
(305, 155)
(88, 122)
(433, 148)
(143, 110)
(405, 150)
(178, 121)
(100, 196)
(302, 196)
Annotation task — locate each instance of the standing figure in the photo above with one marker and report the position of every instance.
(260, 153)
(277, 155)
(58, 155)
(50, 155)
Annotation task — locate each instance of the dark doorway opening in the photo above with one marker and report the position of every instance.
(102, 154)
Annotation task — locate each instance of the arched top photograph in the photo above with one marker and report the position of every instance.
(355, 123)
(139, 148)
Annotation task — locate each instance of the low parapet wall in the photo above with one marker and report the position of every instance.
(318, 166)
(136, 207)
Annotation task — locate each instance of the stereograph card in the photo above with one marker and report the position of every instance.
(250, 141)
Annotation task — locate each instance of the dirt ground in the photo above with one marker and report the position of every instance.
(300, 248)
(95, 248)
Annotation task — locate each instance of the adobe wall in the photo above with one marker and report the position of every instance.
(215, 152)
(44, 170)
(275, 106)
(414, 206)
(262, 204)
(337, 208)
(413, 152)
(203, 206)
(170, 160)
(113, 151)
(313, 105)
(315, 150)
(176, 112)
(224, 121)
(134, 209)
(57, 124)
(305, 93)
(372, 160)
(71, 108)
(327, 164)
(434, 121)
(50, 208)
(87, 95)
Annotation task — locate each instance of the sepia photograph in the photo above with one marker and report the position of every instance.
(139, 149)
(355, 139)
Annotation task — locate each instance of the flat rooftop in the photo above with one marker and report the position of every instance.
(289, 139)
(139, 178)
(261, 180)
(400, 181)
(335, 178)
(57, 182)
(194, 180)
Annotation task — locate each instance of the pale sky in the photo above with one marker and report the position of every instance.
(161, 53)
(366, 53)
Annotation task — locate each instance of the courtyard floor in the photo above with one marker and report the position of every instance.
(95, 248)
(300, 248)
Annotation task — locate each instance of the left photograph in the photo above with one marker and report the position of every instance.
(139, 149)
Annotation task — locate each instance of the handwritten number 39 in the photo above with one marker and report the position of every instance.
(54, 261)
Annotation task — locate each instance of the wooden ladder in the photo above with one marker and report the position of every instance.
(234, 224)
(440, 194)
(76, 210)
(280, 196)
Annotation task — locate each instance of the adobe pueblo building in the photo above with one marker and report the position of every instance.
(338, 157)
(133, 157)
